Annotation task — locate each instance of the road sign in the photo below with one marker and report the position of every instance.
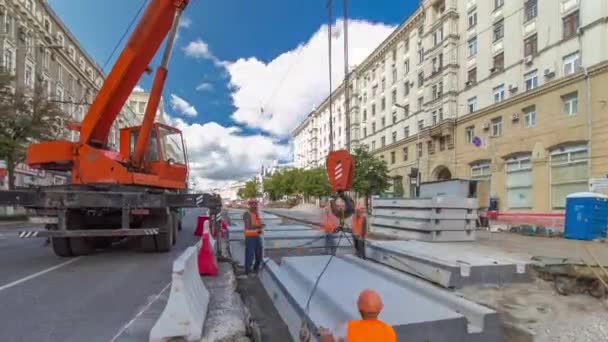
(476, 141)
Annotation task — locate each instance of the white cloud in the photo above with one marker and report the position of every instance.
(204, 87)
(139, 88)
(185, 22)
(182, 106)
(198, 49)
(219, 155)
(291, 84)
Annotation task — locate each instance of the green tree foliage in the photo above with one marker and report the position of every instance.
(371, 174)
(27, 117)
(251, 190)
(307, 183)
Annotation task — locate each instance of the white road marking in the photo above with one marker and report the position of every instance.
(32, 276)
(126, 326)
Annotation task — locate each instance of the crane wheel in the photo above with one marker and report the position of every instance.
(176, 222)
(162, 242)
(81, 246)
(164, 239)
(61, 247)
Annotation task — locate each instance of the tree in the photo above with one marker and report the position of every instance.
(26, 118)
(251, 190)
(314, 183)
(371, 174)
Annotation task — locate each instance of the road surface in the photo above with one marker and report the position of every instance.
(115, 295)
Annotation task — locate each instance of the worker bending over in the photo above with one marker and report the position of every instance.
(369, 328)
(253, 241)
(359, 231)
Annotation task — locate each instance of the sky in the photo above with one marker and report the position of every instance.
(243, 74)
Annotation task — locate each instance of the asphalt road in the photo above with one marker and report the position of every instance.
(114, 295)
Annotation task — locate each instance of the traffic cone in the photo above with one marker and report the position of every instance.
(207, 265)
(200, 224)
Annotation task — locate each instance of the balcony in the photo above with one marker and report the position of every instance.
(443, 129)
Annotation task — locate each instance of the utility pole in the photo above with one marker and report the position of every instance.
(331, 124)
(346, 79)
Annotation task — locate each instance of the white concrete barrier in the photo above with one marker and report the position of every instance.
(186, 308)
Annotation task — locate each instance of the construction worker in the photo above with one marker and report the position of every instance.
(329, 223)
(359, 231)
(369, 327)
(253, 241)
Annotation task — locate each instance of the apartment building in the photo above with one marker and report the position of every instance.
(39, 50)
(506, 92)
(137, 102)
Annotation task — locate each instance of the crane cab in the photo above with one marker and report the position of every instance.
(166, 155)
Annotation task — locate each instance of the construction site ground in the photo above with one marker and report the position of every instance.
(530, 311)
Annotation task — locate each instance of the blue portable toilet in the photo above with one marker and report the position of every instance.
(586, 216)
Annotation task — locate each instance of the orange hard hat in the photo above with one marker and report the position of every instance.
(369, 301)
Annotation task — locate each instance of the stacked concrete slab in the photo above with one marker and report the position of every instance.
(428, 219)
(416, 309)
(449, 265)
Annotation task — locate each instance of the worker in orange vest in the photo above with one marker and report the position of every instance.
(253, 242)
(359, 231)
(329, 224)
(369, 328)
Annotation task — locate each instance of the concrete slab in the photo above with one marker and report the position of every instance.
(424, 235)
(448, 265)
(417, 310)
(422, 224)
(429, 214)
(425, 203)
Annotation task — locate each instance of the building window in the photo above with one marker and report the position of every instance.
(420, 79)
(472, 76)
(531, 9)
(519, 182)
(572, 63)
(570, 104)
(571, 25)
(420, 55)
(8, 60)
(383, 122)
(472, 19)
(472, 104)
(374, 90)
(481, 171)
(406, 88)
(383, 84)
(46, 60)
(499, 30)
(365, 132)
(394, 117)
(469, 133)
(406, 132)
(498, 3)
(499, 93)
(438, 36)
(373, 127)
(405, 152)
(569, 172)
(420, 103)
(472, 44)
(394, 136)
(499, 62)
(434, 117)
(383, 141)
(530, 46)
(382, 104)
(8, 25)
(431, 147)
(393, 157)
(364, 115)
(420, 125)
(394, 96)
(406, 110)
(394, 55)
(394, 74)
(29, 75)
(497, 126)
(530, 116)
(374, 109)
(406, 44)
(531, 80)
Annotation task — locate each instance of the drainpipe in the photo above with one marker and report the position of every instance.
(588, 99)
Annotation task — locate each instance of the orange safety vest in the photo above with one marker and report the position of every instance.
(255, 221)
(367, 330)
(329, 222)
(358, 225)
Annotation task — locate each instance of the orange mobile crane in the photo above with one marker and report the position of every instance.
(135, 191)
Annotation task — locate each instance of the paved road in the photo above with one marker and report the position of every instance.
(115, 295)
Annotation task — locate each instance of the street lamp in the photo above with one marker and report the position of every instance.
(418, 152)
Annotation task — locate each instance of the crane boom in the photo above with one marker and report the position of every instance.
(141, 47)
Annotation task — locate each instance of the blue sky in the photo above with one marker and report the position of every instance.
(234, 57)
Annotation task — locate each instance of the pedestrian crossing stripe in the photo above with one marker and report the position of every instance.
(28, 234)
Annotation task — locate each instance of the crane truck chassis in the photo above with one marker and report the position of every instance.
(82, 218)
